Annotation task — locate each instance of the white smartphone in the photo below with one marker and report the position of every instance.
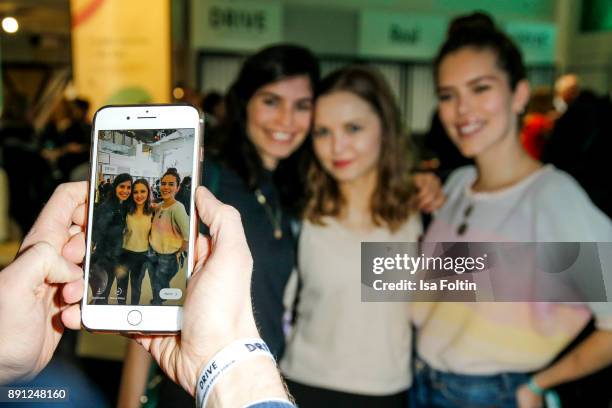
(141, 222)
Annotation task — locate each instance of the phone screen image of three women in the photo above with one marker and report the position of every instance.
(140, 219)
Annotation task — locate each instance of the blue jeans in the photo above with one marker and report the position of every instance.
(437, 389)
(163, 269)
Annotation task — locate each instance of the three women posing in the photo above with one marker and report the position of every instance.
(132, 235)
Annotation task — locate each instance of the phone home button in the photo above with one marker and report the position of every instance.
(134, 317)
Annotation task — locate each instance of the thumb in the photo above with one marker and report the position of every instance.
(42, 263)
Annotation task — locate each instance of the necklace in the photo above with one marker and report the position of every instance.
(275, 217)
(466, 215)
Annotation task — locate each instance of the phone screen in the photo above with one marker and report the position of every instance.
(140, 231)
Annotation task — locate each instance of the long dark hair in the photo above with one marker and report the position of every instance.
(479, 31)
(112, 195)
(147, 204)
(392, 200)
(269, 65)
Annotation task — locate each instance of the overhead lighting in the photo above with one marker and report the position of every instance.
(10, 25)
(178, 92)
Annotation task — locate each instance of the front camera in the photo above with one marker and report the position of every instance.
(128, 118)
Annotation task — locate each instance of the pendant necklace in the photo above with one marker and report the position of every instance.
(462, 229)
(275, 217)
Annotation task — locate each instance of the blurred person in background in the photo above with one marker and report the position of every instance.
(77, 137)
(67, 138)
(29, 175)
(213, 106)
(51, 135)
(538, 122)
(580, 141)
(502, 354)
(343, 352)
(184, 193)
(567, 89)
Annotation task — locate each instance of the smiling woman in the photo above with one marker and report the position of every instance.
(136, 240)
(359, 189)
(106, 238)
(280, 118)
(255, 170)
(169, 235)
(499, 354)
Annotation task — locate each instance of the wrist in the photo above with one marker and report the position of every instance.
(256, 379)
(214, 344)
(245, 365)
(535, 388)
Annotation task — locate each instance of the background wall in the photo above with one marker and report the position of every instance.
(335, 31)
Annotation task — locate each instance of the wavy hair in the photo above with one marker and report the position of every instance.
(235, 149)
(392, 201)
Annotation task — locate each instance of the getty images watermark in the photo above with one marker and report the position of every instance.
(482, 271)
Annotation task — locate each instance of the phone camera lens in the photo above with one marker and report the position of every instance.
(128, 118)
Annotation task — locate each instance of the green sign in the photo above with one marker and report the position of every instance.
(537, 41)
(400, 35)
(235, 25)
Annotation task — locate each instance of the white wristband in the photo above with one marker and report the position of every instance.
(223, 361)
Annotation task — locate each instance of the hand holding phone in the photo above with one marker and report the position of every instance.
(217, 308)
(141, 217)
(217, 305)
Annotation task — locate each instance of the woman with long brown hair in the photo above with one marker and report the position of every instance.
(344, 352)
(136, 241)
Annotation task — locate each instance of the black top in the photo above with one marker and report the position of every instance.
(273, 259)
(107, 232)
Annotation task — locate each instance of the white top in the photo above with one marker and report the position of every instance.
(169, 228)
(489, 338)
(340, 342)
(546, 206)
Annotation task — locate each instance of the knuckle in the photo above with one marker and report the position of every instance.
(61, 189)
(227, 211)
(45, 249)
